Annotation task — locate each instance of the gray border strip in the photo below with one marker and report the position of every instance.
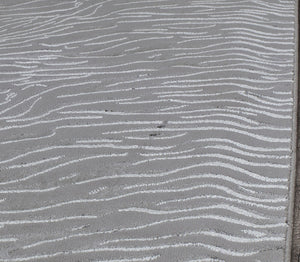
(292, 184)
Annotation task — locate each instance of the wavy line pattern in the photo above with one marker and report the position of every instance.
(145, 130)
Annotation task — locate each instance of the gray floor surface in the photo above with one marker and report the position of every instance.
(145, 130)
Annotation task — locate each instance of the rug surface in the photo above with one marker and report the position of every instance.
(145, 130)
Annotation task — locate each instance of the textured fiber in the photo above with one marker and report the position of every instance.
(145, 130)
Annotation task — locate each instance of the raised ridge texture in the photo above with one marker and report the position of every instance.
(145, 130)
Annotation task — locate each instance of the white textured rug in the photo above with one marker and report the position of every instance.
(145, 130)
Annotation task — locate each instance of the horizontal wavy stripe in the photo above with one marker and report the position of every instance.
(145, 130)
